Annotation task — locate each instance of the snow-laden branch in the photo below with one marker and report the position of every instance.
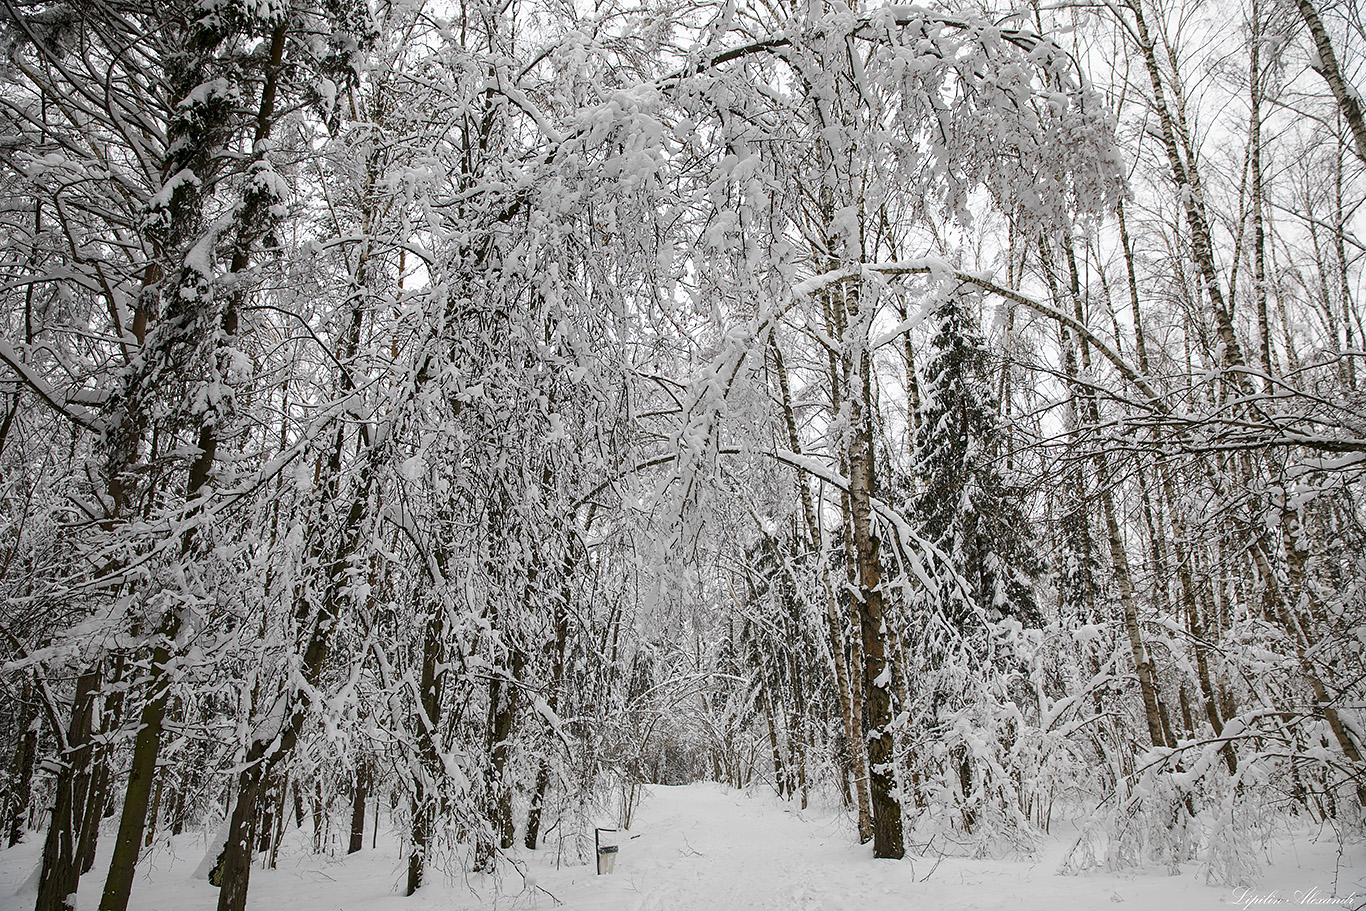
(938, 268)
(905, 534)
(50, 396)
(870, 26)
(509, 90)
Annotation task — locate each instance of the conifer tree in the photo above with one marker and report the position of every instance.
(966, 507)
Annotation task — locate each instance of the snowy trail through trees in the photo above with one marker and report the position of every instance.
(451, 416)
(705, 847)
(708, 847)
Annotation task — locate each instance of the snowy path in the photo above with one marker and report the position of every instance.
(707, 848)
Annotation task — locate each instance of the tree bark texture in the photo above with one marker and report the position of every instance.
(61, 873)
(887, 827)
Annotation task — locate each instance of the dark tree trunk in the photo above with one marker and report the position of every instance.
(95, 803)
(138, 793)
(235, 871)
(272, 814)
(98, 803)
(797, 727)
(433, 680)
(965, 785)
(279, 800)
(268, 750)
(118, 887)
(533, 819)
(319, 817)
(503, 720)
(61, 872)
(266, 826)
(417, 854)
(154, 810)
(298, 807)
(502, 709)
(780, 778)
(178, 806)
(358, 798)
(25, 758)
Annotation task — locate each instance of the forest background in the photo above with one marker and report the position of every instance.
(473, 412)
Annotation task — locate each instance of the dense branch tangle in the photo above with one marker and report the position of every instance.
(481, 409)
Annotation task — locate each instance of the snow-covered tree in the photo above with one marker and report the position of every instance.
(966, 506)
(500, 406)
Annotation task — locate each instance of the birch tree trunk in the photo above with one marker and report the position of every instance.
(1346, 96)
(851, 712)
(888, 840)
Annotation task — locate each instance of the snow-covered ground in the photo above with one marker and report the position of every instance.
(709, 848)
